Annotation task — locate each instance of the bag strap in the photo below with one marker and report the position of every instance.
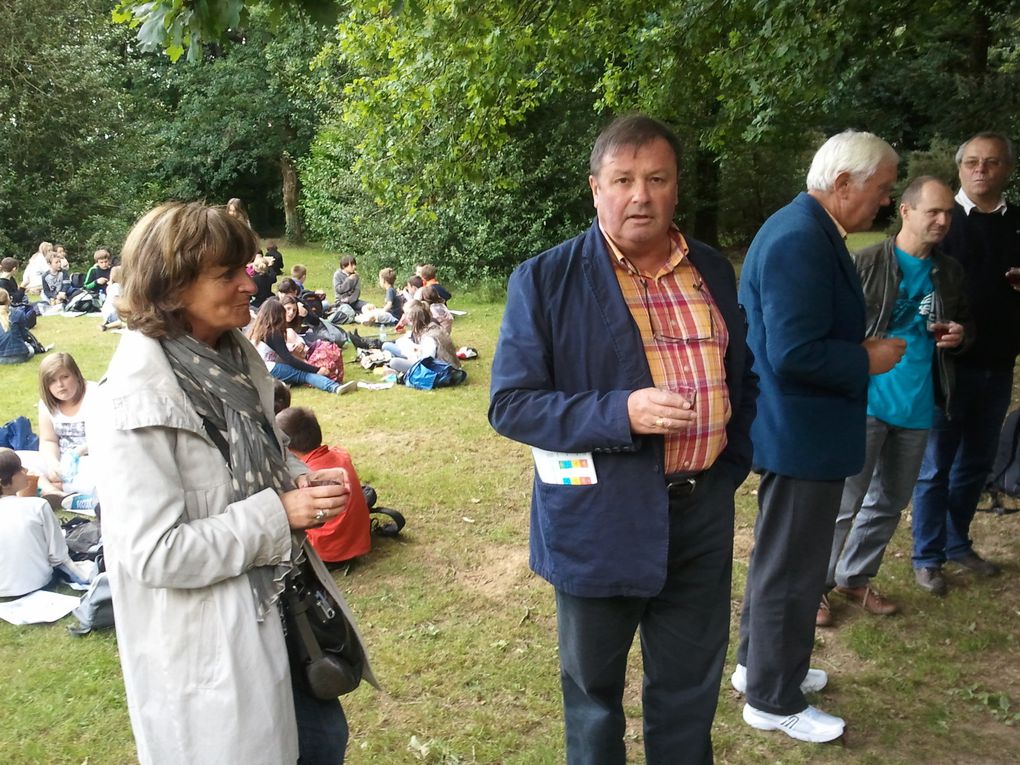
(1012, 454)
(299, 612)
(218, 439)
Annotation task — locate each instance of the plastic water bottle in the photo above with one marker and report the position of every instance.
(382, 333)
(69, 466)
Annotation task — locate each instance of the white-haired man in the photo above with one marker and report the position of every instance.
(985, 238)
(806, 321)
(915, 292)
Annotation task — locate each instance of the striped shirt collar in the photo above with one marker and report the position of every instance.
(678, 251)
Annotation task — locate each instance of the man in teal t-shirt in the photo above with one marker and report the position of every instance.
(913, 292)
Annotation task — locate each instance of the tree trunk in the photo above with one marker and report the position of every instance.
(291, 192)
(706, 213)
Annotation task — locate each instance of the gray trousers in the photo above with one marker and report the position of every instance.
(872, 502)
(785, 581)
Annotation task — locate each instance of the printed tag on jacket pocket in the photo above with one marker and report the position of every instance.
(565, 468)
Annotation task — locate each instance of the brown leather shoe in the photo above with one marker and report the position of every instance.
(870, 599)
(824, 616)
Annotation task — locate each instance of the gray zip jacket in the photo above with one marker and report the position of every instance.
(880, 277)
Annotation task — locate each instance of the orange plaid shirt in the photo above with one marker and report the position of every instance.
(685, 340)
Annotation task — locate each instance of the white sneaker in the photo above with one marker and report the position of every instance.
(815, 680)
(812, 724)
(347, 387)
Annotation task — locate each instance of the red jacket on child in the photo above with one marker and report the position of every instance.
(347, 535)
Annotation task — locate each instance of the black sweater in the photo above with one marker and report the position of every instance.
(988, 244)
(279, 345)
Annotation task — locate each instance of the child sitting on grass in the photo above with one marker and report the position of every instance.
(9, 281)
(111, 319)
(428, 276)
(15, 325)
(98, 276)
(33, 553)
(437, 307)
(56, 285)
(63, 402)
(344, 536)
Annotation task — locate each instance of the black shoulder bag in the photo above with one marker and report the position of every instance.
(324, 650)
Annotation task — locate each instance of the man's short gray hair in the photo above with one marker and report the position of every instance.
(851, 151)
(989, 135)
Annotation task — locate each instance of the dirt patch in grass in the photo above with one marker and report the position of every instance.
(501, 569)
(743, 541)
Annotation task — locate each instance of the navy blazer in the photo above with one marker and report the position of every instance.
(806, 318)
(569, 355)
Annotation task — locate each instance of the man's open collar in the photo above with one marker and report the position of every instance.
(967, 205)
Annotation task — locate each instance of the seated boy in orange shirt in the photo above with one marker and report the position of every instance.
(344, 536)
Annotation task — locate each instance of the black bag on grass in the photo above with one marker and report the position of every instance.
(391, 522)
(83, 302)
(1004, 480)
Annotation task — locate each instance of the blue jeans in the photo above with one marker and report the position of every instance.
(869, 511)
(960, 453)
(684, 631)
(292, 376)
(393, 348)
(322, 728)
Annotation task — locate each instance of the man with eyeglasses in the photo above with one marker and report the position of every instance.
(622, 361)
(985, 238)
(806, 322)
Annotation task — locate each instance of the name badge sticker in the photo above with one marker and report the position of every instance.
(565, 468)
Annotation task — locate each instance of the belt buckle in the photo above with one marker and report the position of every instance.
(685, 486)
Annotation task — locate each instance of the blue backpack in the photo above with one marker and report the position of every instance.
(429, 373)
(17, 434)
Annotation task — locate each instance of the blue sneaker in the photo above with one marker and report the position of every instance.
(80, 503)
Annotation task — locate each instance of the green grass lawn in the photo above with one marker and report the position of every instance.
(462, 635)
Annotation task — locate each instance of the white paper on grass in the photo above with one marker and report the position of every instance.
(38, 607)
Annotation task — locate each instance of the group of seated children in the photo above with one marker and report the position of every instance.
(48, 282)
(33, 552)
(269, 333)
(424, 337)
(286, 327)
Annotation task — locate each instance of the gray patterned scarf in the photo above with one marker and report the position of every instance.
(218, 384)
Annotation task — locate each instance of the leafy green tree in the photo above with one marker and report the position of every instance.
(74, 144)
(235, 120)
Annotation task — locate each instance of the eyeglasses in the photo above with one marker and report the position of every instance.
(698, 331)
(973, 163)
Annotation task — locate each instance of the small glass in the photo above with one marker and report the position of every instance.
(322, 483)
(938, 326)
(689, 392)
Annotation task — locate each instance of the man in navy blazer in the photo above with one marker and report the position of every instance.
(622, 360)
(806, 322)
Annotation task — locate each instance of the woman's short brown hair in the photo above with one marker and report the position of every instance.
(50, 367)
(166, 251)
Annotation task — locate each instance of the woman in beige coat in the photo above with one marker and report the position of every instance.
(197, 547)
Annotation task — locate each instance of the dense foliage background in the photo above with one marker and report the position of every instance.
(457, 132)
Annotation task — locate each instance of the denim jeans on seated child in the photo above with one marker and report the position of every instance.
(291, 376)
